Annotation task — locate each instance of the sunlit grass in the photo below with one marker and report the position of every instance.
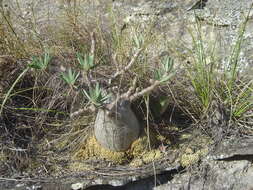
(215, 83)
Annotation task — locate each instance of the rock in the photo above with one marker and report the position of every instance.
(216, 175)
(77, 186)
(235, 148)
(231, 173)
(34, 187)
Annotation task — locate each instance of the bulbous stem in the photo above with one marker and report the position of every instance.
(116, 129)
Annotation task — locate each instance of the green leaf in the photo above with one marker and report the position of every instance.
(138, 41)
(166, 77)
(70, 77)
(95, 95)
(157, 75)
(87, 62)
(40, 63)
(86, 94)
(168, 64)
(165, 72)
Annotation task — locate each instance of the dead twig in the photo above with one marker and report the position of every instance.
(93, 44)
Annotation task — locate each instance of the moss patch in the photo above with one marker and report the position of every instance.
(92, 149)
(193, 148)
(146, 158)
(188, 159)
(138, 154)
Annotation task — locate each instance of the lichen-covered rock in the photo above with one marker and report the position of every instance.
(233, 170)
(117, 131)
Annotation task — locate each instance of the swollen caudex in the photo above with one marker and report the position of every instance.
(117, 128)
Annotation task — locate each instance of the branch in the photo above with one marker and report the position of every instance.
(131, 89)
(82, 110)
(88, 75)
(130, 96)
(124, 96)
(131, 62)
(144, 91)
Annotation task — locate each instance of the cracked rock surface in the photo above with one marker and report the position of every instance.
(232, 170)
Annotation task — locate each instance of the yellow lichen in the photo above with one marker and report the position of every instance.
(139, 147)
(93, 149)
(137, 162)
(139, 150)
(146, 158)
(188, 159)
(189, 151)
(152, 156)
(163, 139)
